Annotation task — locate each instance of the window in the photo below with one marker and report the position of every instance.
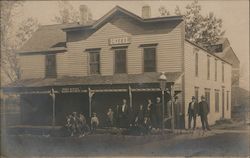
(207, 96)
(120, 61)
(222, 72)
(216, 101)
(196, 93)
(50, 62)
(149, 59)
(227, 100)
(196, 65)
(215, 71)
(223, 102)
(208, 67)
(94, 62)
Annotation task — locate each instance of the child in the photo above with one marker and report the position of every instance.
(94, 122)
(110, 116)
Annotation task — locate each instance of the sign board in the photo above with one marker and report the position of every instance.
(119, 40)
(70, 90)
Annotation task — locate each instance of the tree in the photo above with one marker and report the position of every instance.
(67, 14)
(202, 30)
(12, 39)
(163, 11)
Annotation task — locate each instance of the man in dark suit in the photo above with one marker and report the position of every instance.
(124, 114)
(158, 112)
(192, 112)
(203, 112)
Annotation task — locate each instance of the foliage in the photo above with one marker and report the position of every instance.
(67, 14)
(202, 30)
(163, 11)
(13, 36)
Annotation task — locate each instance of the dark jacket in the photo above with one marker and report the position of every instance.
(203, 108)
(193, 111)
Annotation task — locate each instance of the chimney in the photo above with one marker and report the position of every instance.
(84, 14)
(146, 12)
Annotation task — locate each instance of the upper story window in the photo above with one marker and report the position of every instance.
(120, 60)
(94, 62)
(208, 67)
(217, 108)
(196, 65)
(149, 59)
(50, 63)
(215, 69)
(222, 72)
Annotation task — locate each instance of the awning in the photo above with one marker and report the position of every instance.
(43, 84)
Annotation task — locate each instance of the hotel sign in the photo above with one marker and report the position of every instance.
(119, 40)
(70, 90)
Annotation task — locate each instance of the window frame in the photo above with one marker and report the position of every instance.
(217, 102)
(48, 72)
(155, 60)
(126, 61)
(89, 61)
(208, 67)
(196, 64)
(223, 72)
(215, 69)
(208, 91)
(196, 89)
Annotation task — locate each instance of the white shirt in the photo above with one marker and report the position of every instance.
(123, 107)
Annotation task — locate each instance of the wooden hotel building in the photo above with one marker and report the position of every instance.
(95, 64)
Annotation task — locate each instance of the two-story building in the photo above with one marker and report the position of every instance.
(94, 65)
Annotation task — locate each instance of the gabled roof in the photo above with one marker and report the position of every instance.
(112, 12)
(46, 38)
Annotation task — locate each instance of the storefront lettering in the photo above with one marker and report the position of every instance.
(71, 90)
(120, 40)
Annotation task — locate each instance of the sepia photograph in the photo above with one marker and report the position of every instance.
(125, 78)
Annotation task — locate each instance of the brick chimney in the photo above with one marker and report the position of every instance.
(146, 12)
(84, 14)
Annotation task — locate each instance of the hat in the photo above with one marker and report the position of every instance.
(202, 97)
(193, 97)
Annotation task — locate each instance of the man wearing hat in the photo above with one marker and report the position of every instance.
(203, 112)
(192, 112)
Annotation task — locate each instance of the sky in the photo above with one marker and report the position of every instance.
(235, 16)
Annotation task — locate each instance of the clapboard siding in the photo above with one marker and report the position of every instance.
(32, 66)
(202, 82)
(169, 52)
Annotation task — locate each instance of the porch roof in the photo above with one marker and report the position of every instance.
(95, 80)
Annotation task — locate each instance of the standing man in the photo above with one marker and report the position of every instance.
(123, 114)
(192, 112)
(203, 112)
(158, 114)
(178, 109)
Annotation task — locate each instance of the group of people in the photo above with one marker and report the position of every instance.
(198, 109)
(143, 118)
(76, 124)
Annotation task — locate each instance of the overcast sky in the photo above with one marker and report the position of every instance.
(235, 16)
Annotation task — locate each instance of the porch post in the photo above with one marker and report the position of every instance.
(4, 113)
(172, 106)
(52, 94)
(130, 97)
(90, 101)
